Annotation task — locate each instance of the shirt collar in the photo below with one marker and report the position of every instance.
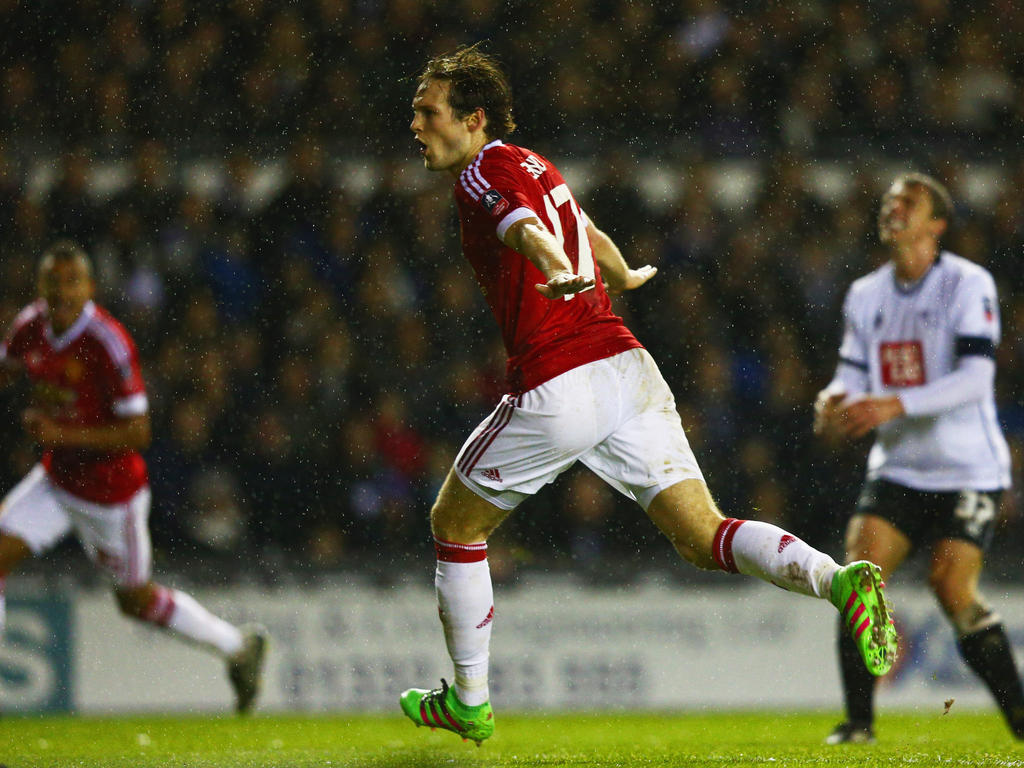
(74, 331)
(912, 287)
(485, 147)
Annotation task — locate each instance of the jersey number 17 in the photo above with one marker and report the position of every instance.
(555, 199)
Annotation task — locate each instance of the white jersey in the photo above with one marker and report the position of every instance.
(903, 339)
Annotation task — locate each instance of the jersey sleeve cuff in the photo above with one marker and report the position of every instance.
(511, 218)
(854, 363)
(133, 405)
(911, 404)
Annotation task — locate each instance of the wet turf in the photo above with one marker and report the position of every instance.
(592, 740)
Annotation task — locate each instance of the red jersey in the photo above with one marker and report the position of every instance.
(543, 337)
(89, 376)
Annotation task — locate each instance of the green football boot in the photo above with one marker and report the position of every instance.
(859, 594)
(441, 708)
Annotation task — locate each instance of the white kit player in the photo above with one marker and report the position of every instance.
(90, 415)
(917, 365)
(582, 389)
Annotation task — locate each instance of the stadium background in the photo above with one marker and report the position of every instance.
(243, 174)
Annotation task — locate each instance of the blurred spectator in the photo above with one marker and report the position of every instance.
(244, 176)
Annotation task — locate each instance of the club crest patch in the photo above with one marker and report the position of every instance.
(494, 202)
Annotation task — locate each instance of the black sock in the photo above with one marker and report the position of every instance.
(988, 653)
(858, 683)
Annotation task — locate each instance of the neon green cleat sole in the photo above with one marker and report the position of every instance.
(859, 594)
(440, 708)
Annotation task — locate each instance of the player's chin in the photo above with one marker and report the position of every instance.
(434, 165)
(61, 316)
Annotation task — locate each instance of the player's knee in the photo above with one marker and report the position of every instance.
(974, 617)
(689, 519)
(12, 551)
(133, 602)
(953, 593)
(693, 544)
(697, 555)
(442, 521)
(460, 515)
(454, 527)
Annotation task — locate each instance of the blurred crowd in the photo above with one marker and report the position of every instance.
(718, 76)
(314, 347)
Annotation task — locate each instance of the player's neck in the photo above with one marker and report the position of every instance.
(479, 142)
(913, 260)
(61, 322)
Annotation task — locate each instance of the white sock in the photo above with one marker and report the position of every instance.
(768, 552)
(465, 600)
(181, 614)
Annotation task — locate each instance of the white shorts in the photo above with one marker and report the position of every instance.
(114, 536)
(616, 415)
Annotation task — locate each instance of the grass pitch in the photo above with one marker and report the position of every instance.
(591, 740)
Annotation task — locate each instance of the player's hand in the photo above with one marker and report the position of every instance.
(828, 419)
(864, 414)
(634, 279)
(41, 427)
(562, 284)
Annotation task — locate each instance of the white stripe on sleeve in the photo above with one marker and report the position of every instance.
(511, 218)
(133, 405)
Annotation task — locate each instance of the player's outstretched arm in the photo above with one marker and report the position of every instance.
(617, 274)
(532, 239)
(133, 433)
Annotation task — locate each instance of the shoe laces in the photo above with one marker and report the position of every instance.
(437, 693)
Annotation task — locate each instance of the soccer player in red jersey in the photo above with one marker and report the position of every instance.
(582, 389)
(90, 415)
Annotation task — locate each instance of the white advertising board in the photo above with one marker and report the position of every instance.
(555, 647)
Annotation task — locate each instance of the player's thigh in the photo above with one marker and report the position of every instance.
(462, 516)
(33, 514)
(953, 573)
(532, 437)
(116, 537)
(647, 451)
(689, 517)
(870, 537)
(890, 520)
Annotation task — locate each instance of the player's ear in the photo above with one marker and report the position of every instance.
(476, 119)
(938, 227)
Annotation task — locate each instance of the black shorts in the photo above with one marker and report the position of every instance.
(927, 516)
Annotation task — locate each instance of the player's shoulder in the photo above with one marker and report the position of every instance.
(499, 157)
(108, 332)
(872, 281)
(498, 168)
(100, 316)
(961, 269)
(32, 314)
(499, 151)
